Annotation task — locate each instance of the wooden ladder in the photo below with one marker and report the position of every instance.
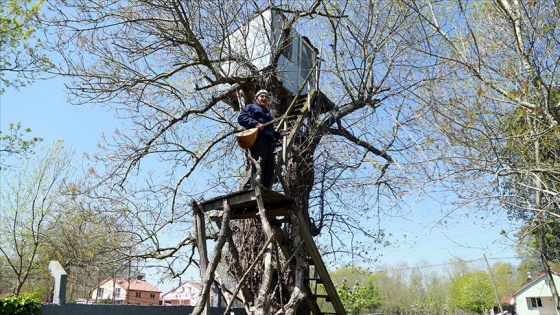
(296, 113)
(317, 274)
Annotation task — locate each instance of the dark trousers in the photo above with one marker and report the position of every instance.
(263, 149)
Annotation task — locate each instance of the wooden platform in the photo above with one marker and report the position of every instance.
(243, 204)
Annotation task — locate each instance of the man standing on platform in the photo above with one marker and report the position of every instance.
(256, 115)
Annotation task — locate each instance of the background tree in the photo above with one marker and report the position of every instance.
(356, 289)
(14, 143)
(47, 215)
(531, 144)
(501, 61)
(472, 292)
(444, 288)
(428, 288)
(436, 297)
(529, 252)
(21, 60)
(507, 278)
(88, 245)
(30, 204)
(392, 285)
(359, 298)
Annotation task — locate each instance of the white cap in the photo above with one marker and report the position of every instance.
(262, 92)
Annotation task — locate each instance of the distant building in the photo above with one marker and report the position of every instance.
(184, 294)
(118, 290)
(508, 306)
(188, 294)
(535, 296)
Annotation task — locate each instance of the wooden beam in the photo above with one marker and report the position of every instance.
(320, 265)
(201, 245)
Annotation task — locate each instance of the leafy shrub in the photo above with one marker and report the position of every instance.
(19, 305)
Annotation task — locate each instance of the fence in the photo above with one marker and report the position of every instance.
(61, 308)
(98, 309)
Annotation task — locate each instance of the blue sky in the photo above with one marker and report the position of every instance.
(43, 107)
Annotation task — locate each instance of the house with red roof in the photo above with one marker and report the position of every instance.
(120, 290)
(507, 306)
(535, 296)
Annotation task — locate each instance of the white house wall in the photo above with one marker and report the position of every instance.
(538, 289)
(107, 291)
(184, 293)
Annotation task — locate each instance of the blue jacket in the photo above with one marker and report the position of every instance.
(255, 113)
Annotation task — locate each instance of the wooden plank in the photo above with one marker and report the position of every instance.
(237, 199)
(273, 215)
(245, 199)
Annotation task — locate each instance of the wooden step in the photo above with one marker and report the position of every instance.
(300, 105)
(317, 280)
(321, 296)
(287, 242)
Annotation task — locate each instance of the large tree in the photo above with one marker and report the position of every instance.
(158, 64)
(493, 69)
(532, 195)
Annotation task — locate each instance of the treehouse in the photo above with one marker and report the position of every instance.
(289, 62)
(295, 75)
(255, 45)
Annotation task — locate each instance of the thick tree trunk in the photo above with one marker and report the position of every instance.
(541, 226)
(286, 287)
(546, 267)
